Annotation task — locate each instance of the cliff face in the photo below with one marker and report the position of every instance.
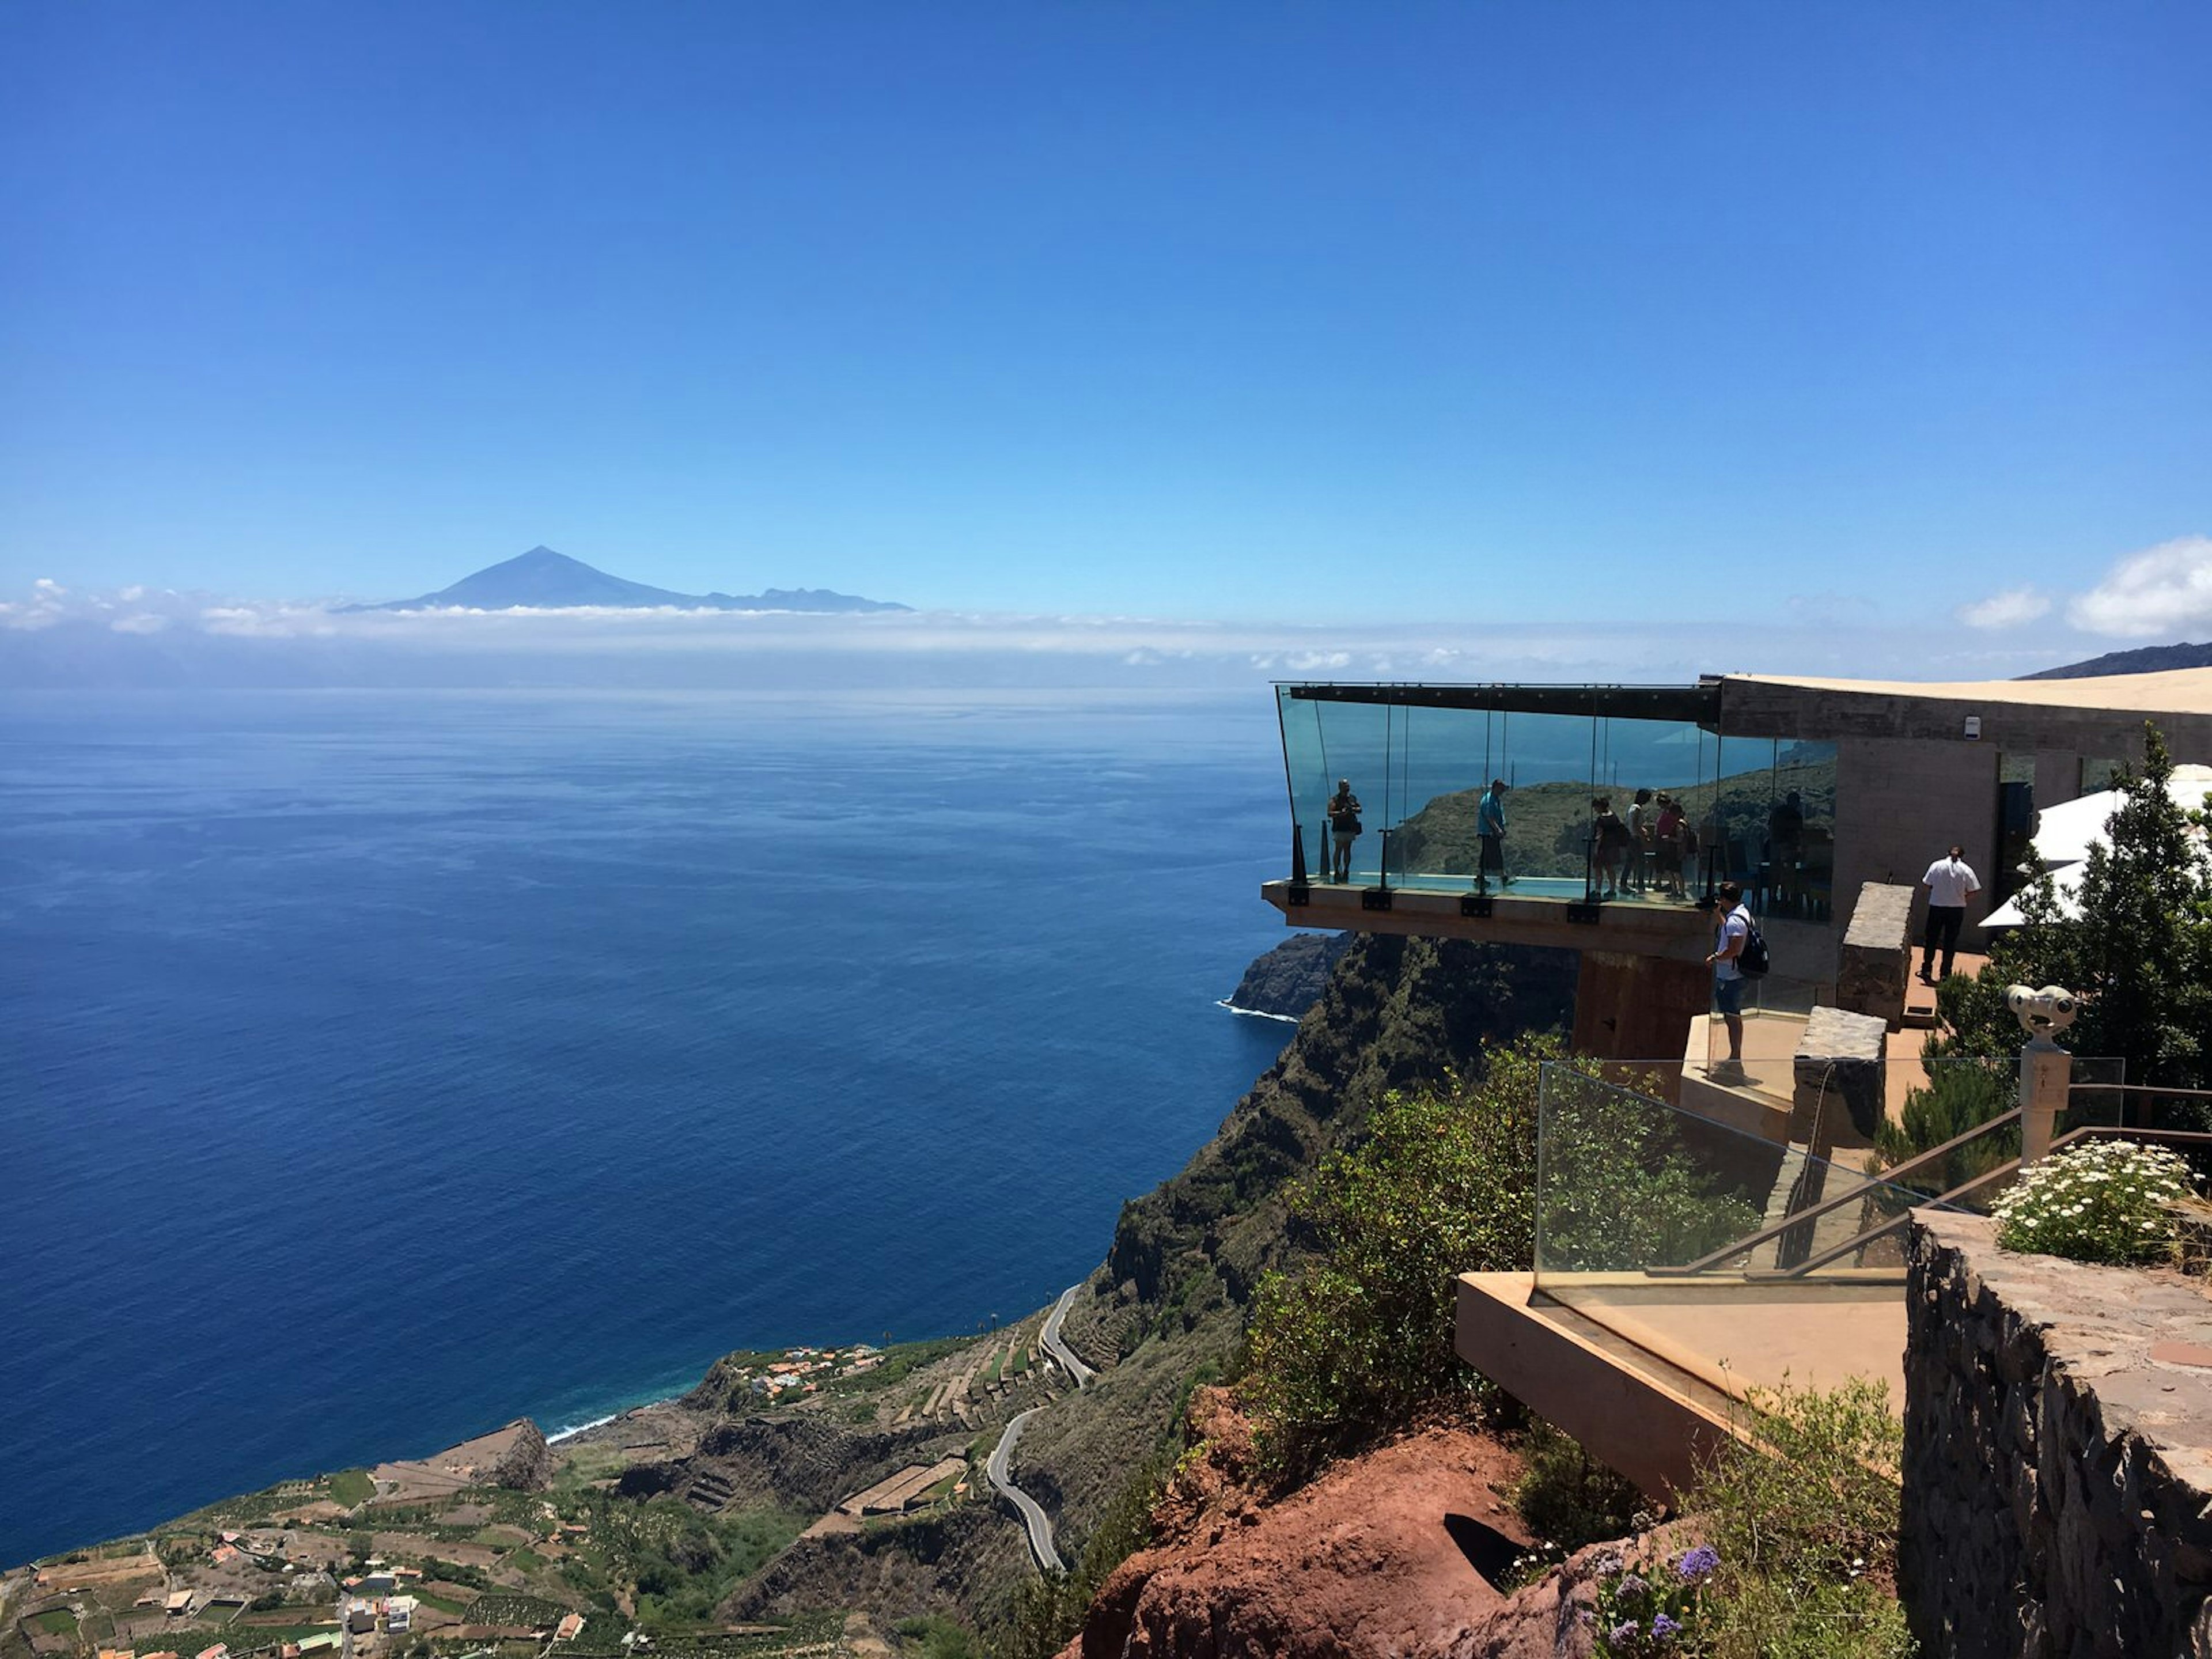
(1289, 979)
(1398, 1013)
(1167, 1308)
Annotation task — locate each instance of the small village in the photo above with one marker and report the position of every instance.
(506, 1548)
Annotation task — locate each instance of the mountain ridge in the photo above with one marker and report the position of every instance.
(2142, 660)
(544, 579)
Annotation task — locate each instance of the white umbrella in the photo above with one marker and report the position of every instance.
(2067, 879)
(2065, 833)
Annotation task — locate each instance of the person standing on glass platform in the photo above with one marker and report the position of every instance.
(1490, 831)
(1343, 823)
(1950, 882)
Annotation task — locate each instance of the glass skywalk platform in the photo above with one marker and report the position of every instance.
(1614, 794)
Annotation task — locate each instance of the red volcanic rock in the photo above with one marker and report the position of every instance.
(1384, 1555)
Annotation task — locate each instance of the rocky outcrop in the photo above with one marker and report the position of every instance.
(527, 1463)
(2057, 1454)
(1392, 1553)
(1289, 979)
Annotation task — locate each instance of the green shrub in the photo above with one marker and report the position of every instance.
(933, 1636)
(1653, 1614)
(1803, 1528)
(2136, 946)
(2102, 1200)
(1960, 1096)
(1568, 1498)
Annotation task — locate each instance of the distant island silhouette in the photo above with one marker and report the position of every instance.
(2143, 660)
(543, 579)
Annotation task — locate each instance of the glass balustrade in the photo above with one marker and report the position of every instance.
(1620, 793)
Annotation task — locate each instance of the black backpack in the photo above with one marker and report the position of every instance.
(1753, 960)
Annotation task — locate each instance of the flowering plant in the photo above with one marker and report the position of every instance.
(2102, 1201)
(1641, 1618)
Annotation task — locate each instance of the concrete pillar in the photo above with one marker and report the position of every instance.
(1637, 1007)
(2046, 1072)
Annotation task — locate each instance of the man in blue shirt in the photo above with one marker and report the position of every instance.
(1490, 829)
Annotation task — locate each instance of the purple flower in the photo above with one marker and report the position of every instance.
(1634, 1588)
(1697, 1564)
(1664, 1629)
(1624, 1633)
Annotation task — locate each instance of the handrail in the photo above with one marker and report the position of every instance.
(2143, 1089)
(1987, 1177)
(2093, 1131)
(1768, 1235)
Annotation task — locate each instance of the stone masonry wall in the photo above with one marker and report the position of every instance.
(2057, 1454)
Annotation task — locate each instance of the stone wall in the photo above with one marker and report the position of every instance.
(2057, 1454)
(1876, 956)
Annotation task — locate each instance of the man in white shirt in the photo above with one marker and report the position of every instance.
(1950, 883)
(1732, 930)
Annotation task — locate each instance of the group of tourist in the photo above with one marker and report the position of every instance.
(1652, 849)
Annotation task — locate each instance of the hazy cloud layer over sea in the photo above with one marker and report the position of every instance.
(54, 636)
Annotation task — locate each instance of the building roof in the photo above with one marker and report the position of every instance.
(2177, 690)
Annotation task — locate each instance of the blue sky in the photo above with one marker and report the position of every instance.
(1266, 310)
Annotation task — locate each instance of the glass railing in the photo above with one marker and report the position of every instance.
(1773, 1249)
(1628, 1184)
(1774, 1009)
(1956, 1123)
(1620, 793)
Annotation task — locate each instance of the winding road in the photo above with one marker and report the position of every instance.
(1050, 1342)
(1033, 1517)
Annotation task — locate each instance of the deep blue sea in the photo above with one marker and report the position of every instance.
(380, 1066)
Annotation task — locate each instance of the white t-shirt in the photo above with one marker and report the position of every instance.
(1736, 925)
(1949, 883)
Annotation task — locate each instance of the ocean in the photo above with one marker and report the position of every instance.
(380, 1066)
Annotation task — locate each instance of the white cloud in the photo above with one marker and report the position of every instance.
(2013, 608)
(2166, 589)
(142, 622)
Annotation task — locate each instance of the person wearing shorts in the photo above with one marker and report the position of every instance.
(1731, 932)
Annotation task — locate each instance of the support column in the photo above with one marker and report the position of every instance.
(1638, 1007)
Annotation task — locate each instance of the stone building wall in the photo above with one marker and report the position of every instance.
(2057, 1454)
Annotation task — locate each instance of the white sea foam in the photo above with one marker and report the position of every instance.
(1254, 1014)
(578, 1428)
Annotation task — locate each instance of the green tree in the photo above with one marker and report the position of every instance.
(1963, 1093)
(2136, 946)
